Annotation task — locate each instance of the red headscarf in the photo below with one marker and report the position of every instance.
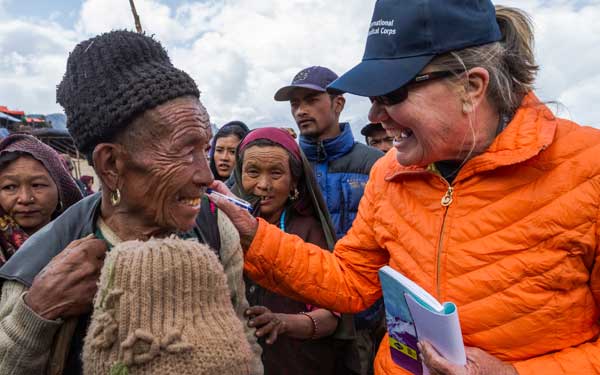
(276, 135)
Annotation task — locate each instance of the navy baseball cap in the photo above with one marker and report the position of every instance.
(315, 78)
(404, 36)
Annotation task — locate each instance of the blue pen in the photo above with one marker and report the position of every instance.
(238, 202)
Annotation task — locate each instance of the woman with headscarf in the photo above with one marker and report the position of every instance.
(272, 173)
(139, 122)
(223, 148)
(34, 189)
(488, 199)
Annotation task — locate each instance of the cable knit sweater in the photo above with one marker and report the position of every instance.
(163, 307)
(30, 345)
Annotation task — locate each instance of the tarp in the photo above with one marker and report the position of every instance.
(11, 112)
(9, 118)
(33, 119)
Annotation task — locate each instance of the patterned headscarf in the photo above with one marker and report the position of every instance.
(11, 235)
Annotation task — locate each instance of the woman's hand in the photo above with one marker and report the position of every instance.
(298, 326)
(244, 222)
(267, 323)
(479, 362)
(67, 285)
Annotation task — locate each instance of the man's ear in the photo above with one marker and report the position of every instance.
(109, 164)
(475, 89)
(338, 104)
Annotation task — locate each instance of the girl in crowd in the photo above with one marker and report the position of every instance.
(271, 172)
(34, 189)
(489, 200)
(223, 146)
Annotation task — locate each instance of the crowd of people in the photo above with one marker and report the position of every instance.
(253, 252)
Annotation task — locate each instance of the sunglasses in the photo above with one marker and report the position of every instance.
(400, 95)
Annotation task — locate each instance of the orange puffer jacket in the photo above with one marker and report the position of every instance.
(513, 242)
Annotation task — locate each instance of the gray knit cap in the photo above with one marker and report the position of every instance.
(112, 78)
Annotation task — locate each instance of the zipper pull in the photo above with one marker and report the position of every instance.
(447, 198)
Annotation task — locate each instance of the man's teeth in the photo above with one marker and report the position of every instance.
(191, 202)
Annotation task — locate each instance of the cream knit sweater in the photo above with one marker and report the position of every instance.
(163, 307)
(27, 340)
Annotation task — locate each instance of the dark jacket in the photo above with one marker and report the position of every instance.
(342, 167)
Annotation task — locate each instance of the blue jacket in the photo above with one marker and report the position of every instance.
(342, 168)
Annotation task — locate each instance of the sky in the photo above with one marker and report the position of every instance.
(241, 51)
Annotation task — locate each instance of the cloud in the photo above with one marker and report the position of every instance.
(32, 62)
(241, 51)
(567, 38)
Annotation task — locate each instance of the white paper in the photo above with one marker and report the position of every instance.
(442, 330)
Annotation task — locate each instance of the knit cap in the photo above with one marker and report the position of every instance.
(163, 307)
(112, 78)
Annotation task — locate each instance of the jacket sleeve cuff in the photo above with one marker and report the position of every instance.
(29, 330)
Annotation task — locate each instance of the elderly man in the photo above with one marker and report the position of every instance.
(139, 122)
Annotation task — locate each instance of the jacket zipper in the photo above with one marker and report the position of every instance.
(320, 153)
(445, 202)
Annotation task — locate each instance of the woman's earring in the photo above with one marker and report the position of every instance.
(295, 196)
(115, 197)
(61, 206)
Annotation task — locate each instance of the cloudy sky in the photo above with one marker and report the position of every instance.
(241, 51)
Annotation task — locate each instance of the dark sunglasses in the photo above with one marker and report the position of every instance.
(400, 95)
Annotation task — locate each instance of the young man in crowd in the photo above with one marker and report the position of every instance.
(341, 167)
(376, 136)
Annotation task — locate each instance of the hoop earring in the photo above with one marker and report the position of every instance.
(295, 196)
(61, 207)
(115, 197)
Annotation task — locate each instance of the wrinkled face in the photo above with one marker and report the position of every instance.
(165, 179)
(314, 113)
(225, 154)
(430, 125)
(380, 140)
(28, 193)
(266, 173)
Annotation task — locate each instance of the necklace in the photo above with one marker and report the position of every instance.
(282, 221)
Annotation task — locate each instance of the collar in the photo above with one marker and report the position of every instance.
(108, 234)
(530, 131)
(329, 149)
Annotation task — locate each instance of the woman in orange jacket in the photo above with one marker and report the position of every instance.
(487, 199)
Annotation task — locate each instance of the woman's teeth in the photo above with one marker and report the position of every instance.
(405, 133)
(400, 134)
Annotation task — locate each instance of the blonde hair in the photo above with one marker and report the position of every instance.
(510, 62)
